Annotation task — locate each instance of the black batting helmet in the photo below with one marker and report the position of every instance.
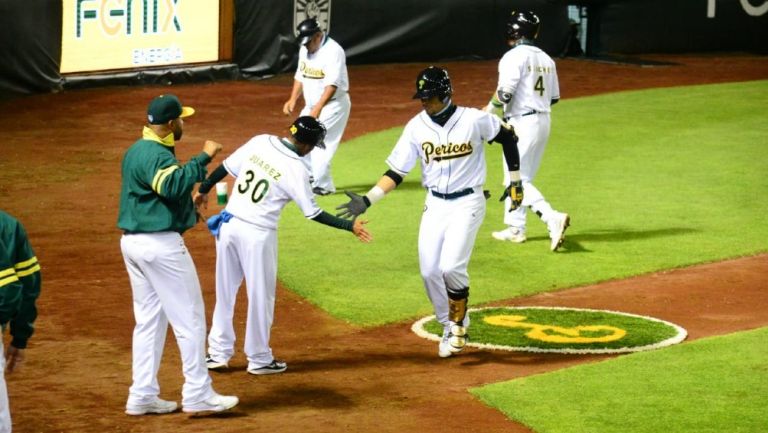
(433, 81)
(523, 24)
(307, 29)
(308, 130)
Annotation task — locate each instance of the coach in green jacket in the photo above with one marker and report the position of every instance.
(155, 209)
(19, 289)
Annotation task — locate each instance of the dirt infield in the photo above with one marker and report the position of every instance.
(59, 173)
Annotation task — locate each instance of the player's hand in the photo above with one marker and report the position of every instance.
(200, 199)
(288, 107)
(13, 358)
(515, 193)
(354, 207)
(212, 148)
(362, 234)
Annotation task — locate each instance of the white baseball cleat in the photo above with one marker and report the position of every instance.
(511, 234)
(216, 403)
(156, 406)
(557, 225)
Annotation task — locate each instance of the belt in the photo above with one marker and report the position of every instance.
(452, 195)
(529, 113)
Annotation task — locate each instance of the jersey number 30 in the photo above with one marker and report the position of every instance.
(260, 187)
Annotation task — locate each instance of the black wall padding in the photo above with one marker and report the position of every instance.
(30, 46)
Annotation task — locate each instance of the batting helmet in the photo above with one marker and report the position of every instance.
(307, 29)
(433, 81)
(523, 25)
(308, 130)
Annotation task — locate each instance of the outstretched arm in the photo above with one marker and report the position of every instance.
(355, 226)
(358, 204)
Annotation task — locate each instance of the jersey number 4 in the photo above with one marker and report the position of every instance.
(260, 187)
(539, 86)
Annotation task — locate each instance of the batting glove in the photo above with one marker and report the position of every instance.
(515, 193)
(357, 205)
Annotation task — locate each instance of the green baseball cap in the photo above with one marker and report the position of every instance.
(165, 108)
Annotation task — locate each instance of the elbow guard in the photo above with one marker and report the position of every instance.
(394, 176)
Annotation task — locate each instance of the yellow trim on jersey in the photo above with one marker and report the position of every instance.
(25, 263)
(29, 271)
(8, 276)
(160, 176)
(149, 134)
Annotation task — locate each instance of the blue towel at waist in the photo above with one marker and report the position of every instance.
(214, 223)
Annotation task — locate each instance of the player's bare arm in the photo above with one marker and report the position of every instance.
(290, 104)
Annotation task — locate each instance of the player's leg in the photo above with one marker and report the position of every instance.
(557, 222)
(151, 323)
(178, 287)
(334, 117)
(431, 232)
(229, 276)
(260, 265)
(460, 236)
(5, 409)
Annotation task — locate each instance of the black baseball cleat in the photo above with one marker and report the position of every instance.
(319, 191)
(272, 368)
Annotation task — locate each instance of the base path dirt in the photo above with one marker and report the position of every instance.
(59, 173)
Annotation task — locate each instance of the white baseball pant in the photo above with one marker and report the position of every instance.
(446, 239)
(334, 117)
(165, 289)
(244, 250)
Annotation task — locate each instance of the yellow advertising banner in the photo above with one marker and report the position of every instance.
(125, 34)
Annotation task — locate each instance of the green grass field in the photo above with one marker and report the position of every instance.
(702, 387)
(653, 180)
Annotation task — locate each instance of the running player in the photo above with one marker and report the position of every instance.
(449, 142)
(269, 174)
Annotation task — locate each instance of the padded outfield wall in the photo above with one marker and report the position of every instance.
(377, 31)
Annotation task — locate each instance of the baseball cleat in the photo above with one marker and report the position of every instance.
(444, 348)
(156, 406)
(320, 191)
(217, 403)
(214, 364)
(511, 234)
(272, 368)
(557, 226)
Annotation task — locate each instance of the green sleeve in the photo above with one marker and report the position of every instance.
(335, 222)
(175, 182)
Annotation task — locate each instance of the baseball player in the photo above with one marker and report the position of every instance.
(155, 209)
(322, 77)
(269, 174)
(19, 290)
(448, 141)
(526, 90)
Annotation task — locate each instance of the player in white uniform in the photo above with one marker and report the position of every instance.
(526, 90)
(449, 141)
(322, 77)
(269, 174)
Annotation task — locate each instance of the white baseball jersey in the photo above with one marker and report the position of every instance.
(452, 156)
(325, 67)
(269, 175)
(529, 74)
(452, 162)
